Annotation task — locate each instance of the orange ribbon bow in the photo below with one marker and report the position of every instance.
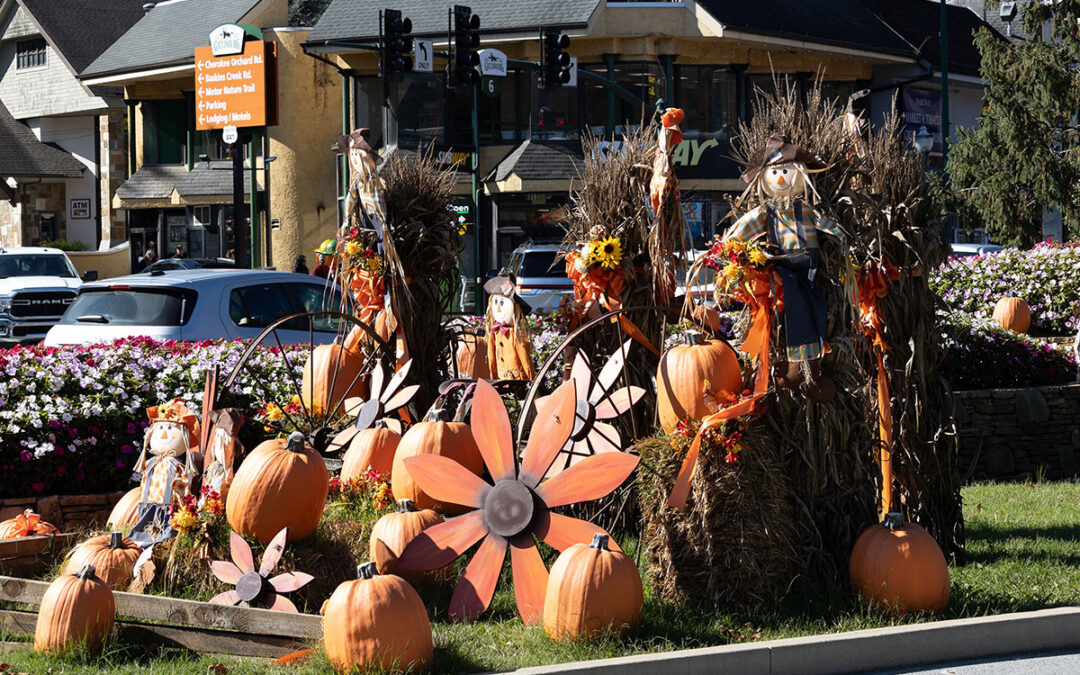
(873, 285)
(596, 288)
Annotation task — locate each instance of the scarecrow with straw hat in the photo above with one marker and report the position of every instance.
(508, 347)
(173, 432)
(788, 228)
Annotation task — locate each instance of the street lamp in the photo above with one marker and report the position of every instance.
(924, 142)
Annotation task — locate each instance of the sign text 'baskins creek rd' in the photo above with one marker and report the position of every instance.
(232, 90)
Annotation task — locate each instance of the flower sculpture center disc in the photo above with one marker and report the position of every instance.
(369, 412)
(584, 417)
(508, 509)
(249, 586)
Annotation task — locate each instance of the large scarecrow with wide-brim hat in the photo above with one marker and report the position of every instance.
(787, 228)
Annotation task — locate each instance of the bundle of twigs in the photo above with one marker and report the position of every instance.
(876, 190)
(423, 255)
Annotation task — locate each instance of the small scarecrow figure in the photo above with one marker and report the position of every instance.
(788, 226)
(173, 432)
(221, 452)
(509, 350)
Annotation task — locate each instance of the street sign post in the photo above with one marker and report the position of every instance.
(423, 56)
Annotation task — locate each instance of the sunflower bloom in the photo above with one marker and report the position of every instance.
(608, 252)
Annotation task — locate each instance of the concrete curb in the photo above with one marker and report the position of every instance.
(856, 651)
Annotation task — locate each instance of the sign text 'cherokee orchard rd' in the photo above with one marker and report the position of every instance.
(232, 90)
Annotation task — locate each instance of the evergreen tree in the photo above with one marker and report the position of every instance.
(1025, 153)
(306, 12)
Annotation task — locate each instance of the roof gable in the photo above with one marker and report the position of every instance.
(22, 154)
(82, 29)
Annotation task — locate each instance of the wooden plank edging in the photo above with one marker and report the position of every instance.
(183, 612)
(21, 546)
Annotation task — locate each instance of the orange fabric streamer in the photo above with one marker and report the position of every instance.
(757, 293)
(598, 288)
(368, 290)
(874, 285)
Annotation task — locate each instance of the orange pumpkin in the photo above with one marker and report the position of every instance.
(126, 511)
(900, 567)
(434, 437)
(472, 357)
(370, 448)
(393, 532)
(26, 524)
(282, 483)
(112, 556)
(76, 609)
(690, 371)
(322, 388)
(1013, 314)
(592, 589)
(376, 622)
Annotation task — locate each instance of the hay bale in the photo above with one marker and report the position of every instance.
(737, 539)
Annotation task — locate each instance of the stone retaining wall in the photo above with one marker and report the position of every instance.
(1011, 433)
(65, 512)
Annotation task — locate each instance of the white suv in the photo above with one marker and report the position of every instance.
(36, 285)
(204, 304)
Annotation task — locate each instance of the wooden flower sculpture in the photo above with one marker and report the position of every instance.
(515, 509)
(596, 402)
(252, 586)
(381, 402)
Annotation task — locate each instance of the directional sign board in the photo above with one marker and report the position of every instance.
(235, 90)
(422, 56)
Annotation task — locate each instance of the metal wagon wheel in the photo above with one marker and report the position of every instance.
(292, 359)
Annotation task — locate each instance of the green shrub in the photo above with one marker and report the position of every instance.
(64, 245)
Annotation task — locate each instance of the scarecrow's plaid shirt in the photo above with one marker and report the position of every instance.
(368, 196)
(792, 232)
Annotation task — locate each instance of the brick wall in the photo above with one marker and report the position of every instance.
(1011, 433)
(65, 512)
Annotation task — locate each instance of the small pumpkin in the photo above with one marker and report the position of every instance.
(26, 524)
(373, 448)
(282, 483)
(76, 609)
(434, 437)
(393, 532)
(332, 374)
(900, 567)
(690, 371)
(126, 511)
(112, 556)
(1013, 314)
(472, 357)
(592, 589)
(376, 622)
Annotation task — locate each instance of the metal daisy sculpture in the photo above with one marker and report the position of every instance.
(252, 586)
(596, 402)
(380, 403)
(517, 508)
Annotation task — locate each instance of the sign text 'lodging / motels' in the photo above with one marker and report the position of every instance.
(231, 90)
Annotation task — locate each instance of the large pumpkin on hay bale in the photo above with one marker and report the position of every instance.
(899, 566)
(592, 589)
(691, 370)
(370, 448)
(376, 622)
(26, 524)
(112, 556)
(332, 374)
(77, 609)
(1013, 314)
(393, 532)
(434, 437)
(126, 511)
(282, 483)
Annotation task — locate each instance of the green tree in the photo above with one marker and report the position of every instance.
(1025, 154)
(306, 12)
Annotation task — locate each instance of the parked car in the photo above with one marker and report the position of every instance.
(541, 275)
(169, 264)
(203, 304)
(968, 250)
(36, 285)
(702, 289)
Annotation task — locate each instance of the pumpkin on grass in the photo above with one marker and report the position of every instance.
(126, 511)
(376, 622)
(900, 567)
(282, 483)
(332, 374)
(26, 524)
(1013, 314)
(76, 609)
(592, 589)
(112, 556)
(393, 532)
(372, 448)
(690, 371)
(434, 437)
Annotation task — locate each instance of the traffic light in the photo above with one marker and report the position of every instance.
(397, 44)
(555, 67)
(466, 42)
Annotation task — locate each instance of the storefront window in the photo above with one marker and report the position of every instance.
(644, 80)
(707, 95)
(421, 110)
(368, 108)
(760, 86)
(164, 131)
(553, 114)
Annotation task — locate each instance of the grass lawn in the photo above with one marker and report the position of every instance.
(1023, 543)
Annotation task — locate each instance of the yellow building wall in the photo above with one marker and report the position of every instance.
(303, 197)
(114, 262)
